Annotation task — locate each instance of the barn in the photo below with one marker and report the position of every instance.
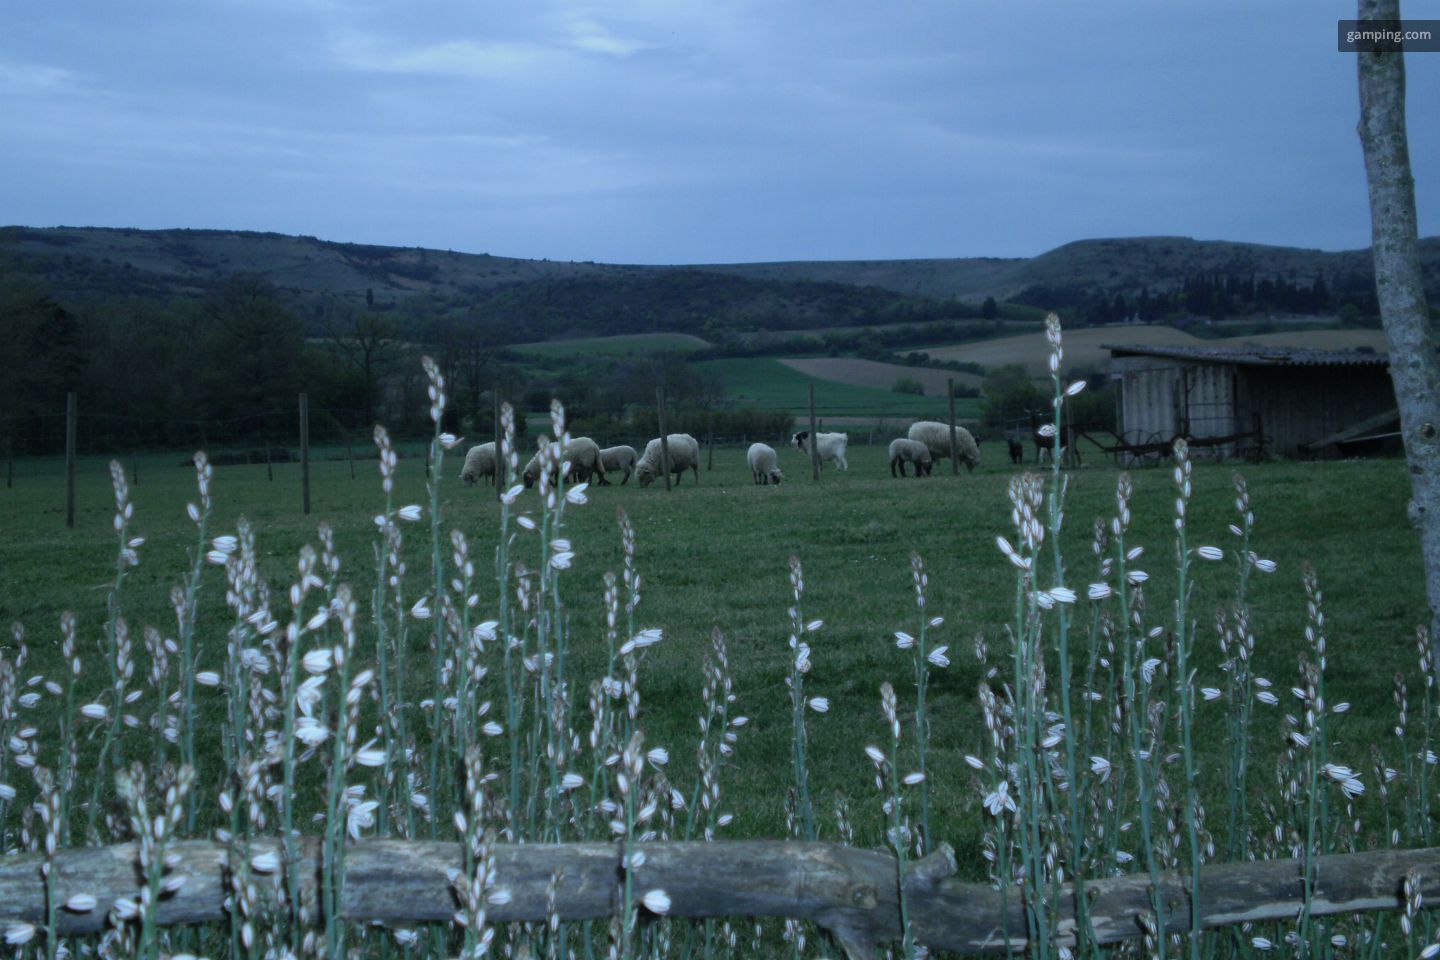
(1298, 402)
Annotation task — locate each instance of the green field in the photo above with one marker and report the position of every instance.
(620, 345)
(715, 557)
(770, 385)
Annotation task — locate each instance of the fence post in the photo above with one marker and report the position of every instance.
(954, 453)
(305, 452)
(710, 443)
(664, 438)
(350, 454)
(269, 467)
(814, 439)
(500, 462)
(134, 472)
(71, 412)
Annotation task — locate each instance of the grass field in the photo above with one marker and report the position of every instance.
(714, 556)
(877, 375)
(771, 385)
(619, 345)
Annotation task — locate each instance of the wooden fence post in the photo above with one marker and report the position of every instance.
(814, 439)
(664, 438)
(269, 467)
(954, 453)
(500, 462)
(305, 452)
(71, 413)
(350, 455)
(710, 443)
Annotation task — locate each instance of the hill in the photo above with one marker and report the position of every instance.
(515, 300)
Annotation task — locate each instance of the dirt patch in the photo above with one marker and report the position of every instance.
(881, 376)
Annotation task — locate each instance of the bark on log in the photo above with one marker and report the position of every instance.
(850, 892)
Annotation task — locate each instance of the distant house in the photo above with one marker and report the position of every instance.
(1305, 403)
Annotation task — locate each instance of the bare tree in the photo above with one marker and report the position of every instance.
(1414, 362)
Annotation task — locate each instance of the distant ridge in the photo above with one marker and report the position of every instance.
(88, 265)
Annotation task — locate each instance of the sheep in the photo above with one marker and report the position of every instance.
(764, 464)
(903, 451)
(582, 453)
(479, 462)
(618, 458)
(936, 436)
(684, 454)
(831, 445)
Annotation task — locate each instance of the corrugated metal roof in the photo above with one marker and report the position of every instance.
(1255, 356)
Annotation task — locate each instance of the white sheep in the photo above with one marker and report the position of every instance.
(903, 451)
(684, 453)
(479, 462)
(832, 446)
(583, 455)
(936, 436)
(618, 458)
(764, 464)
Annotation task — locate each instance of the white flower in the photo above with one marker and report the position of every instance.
(1147, 669)
(937, 657)
(572, 781)
(449, 441)
(322, 616)
(225, 545)
(1100, 767)
(81, 903)
(95, 711)
(525, 522)
(208, 678)
(656, 901)
(267, 862)
(1264, 566)
(814, 626)
(658, 756)
(18, 933)
(368, 756)
(1137, 577)
(974, 761)
(903, 640)
(561, 561)
(576, 494)
(819, 704)
(1210, 553)
(7, 792)
(509, 496)
(310, 731)
(1210, 693)
(1265, 696)
(318, 661)
(1062, 594)
(641, 640)
(1260, 943)
(999, 799)
(1074, 388)
(913, 778)
(875, 753)
(361, 817)
(421, 610)
(1099, 591)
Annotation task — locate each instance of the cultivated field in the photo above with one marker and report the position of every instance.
(621, 344)
(877, 375)
(1085, 347)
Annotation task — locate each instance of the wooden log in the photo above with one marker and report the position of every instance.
(850, 892)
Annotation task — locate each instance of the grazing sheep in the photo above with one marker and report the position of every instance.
(831, 445)
(764, 464)
(936, 436)
(582, 453)
(903, 451)
(684, 455)
(618, 458)
(479, 462)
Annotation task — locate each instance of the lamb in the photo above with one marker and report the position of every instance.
(764, 464)
(1017, 449)
(618, 458)
(684, 453)
(831, 445)
(479, 462)
(936, 436)
(582, 453)
(903, 451)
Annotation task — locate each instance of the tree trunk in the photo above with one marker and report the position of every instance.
(1414, 363)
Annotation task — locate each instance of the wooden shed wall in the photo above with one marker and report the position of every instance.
(1300, 404)
(1158, 394)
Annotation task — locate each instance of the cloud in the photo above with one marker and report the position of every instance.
(16, 77)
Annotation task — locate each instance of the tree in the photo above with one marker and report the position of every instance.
(989, 310)
(1414, 363)
(367, 341)
(256, 345)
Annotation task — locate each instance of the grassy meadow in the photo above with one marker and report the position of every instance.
(771, 385)
(624, 344)
(715, 556)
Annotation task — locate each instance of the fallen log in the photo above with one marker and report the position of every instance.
(850, 892)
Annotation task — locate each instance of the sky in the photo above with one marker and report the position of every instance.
(672, 131)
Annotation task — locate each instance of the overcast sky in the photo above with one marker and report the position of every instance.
(672, 131)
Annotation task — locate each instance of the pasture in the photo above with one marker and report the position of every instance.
(881, 376)
(715, 556)
(772, 385)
